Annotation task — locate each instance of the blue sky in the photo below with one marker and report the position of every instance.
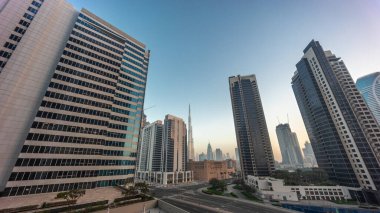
(196, 45)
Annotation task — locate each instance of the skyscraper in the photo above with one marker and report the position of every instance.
(210, 154)
(290, 149)
(218, 155)
(369, 87)
(202, 157)
(72, 89)
(150, 148)
(309, 158)
(343, 132)
(175, 144)
(190, 139)
(250, 126)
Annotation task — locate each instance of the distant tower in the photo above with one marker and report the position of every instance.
(250, 127)
(190, 139)
(290, 149)
(369, 87)
(210, 154)
(218, 155)
(150, 151)
(309, 158)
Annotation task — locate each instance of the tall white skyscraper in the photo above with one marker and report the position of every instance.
(190, 141)
(72, 88)
(210, 153)
(290, 149)
(150, 147)
(309, 158)
(218, 155)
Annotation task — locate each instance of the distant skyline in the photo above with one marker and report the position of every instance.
(196, 45)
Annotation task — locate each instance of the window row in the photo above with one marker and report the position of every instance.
(88, 68)
(15, 38)
(133, 67)
(71, 118)
(85, 75)
(47, 175)
(125, 97)
(37, 189)
(10, 46)
(132, 79)
(141, 77)
(94, 41)
(64, 139)
(72, 162)
(82, 83)
(73, 99)
(24, 23)
(36, 4)
(128, 91)
(33, 10)
(93, 55)
(133, 62)
(74, 151)
(89, 61)
(97, 35)
(127, 105)
(120, 127)
(28, 16)
(70, 108)
(20, 30)
(130, 85)
(103, 30)
(65, 128)
(5, 54)
(133, 55)
(80, 91)
(121, 119)
(91, 47)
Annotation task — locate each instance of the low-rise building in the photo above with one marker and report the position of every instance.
(272, 188)
(165, 178)
(208, 169)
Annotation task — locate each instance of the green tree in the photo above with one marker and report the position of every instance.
(71, 195)
(142, 186)
(214, 183)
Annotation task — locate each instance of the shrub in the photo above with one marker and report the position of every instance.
(233, 194)
(19, 209)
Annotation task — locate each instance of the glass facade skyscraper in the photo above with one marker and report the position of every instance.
(71, 97)
(289, 146)
(250, 127)
(343, 132)
(369, 87)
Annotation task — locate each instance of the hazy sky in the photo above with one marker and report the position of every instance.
(196, 45)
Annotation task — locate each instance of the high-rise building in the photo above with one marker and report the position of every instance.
(218, 155)
(228, 156)
(309, 158)
(343, 132)
(190, 139)
(175, 144)
(289, 146)
(250, 126)
(202, 157)
(72, 89)
(369, 87)
(150, 148)
(210, 154)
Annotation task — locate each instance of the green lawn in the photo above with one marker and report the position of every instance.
(212, 191)
(238, 187)
(250, 196)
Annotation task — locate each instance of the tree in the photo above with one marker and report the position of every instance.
(71, 195)
(131, 191)
(214, 183)
(142, 186)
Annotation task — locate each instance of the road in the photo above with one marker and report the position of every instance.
(189, 199)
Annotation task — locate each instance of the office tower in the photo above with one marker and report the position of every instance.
(250, 127)
(289, 146)
(228, 156)
(369, 87)
(237, 159)
(175, 144)
(218, 155)
(210, 154)
(190, 139)
(309, 158)
(202, 157)
(150, 148)
(343, 132)
(72, 88)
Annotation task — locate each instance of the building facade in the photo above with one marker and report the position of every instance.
(251, 130)
(202, 157)
(218, 154)
(209, 169)
(309, 158)
(150, 148)
(72, 89)
(271, 188)
(175, 144)
(343, 132)
(289, 146)
(369, 87)
(210, 153)
(190, 140)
